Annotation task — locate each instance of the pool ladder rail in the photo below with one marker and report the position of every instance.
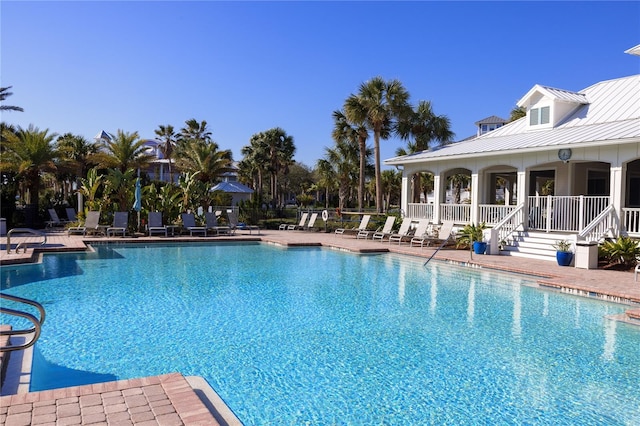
(437, 250)
(23, 244)
(6, 346)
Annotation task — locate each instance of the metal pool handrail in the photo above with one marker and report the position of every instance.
(37, 323)
(24, 245)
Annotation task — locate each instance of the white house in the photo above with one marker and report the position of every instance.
(570, 168)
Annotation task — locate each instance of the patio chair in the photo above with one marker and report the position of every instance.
(365, 233)
(303, 220)
(364, 222)
(55, 220)
(155, 225)
(235, 224)
(387, 229)
(312, 222)
(404, 232)
(120, 224)
(444, 232)
(71, 214)
(212, 224)
(91, 225)
(189, 223)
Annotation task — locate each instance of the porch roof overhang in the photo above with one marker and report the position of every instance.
(601, 134)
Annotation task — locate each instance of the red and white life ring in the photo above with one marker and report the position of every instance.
(325, 215)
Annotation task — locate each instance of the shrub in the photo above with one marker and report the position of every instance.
(623, 251)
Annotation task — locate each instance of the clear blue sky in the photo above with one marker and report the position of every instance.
(245, 67)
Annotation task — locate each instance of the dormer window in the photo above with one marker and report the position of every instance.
(538, 116)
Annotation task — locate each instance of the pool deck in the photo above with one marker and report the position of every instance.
(172, 399)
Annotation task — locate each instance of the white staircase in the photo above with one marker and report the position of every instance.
(534, 245)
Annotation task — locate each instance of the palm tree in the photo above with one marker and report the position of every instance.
(344, 158)
(343, 129)
(516, 113)
(195, 130)
(425, 127)
(119, 188)
(205, 158)
(168, 136)
(125, 151)
(378, 105)
(4, 94)
(326, 178)
(28, 153)
(391, 183)
(90, 189)
(274, 150)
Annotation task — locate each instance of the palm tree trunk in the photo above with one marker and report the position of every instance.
(376, 149)
(363, 155)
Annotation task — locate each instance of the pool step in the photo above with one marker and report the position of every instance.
(533, 245)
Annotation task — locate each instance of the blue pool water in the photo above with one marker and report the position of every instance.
(316, 336)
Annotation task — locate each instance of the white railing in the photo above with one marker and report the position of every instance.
(501, 233)
(564, 213)
(458, 213)
(631, 221)
(420, 211)
(493, 213)
(605, 224)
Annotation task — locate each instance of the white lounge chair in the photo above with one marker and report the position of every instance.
(364, 222)
(235, 224)
(405, 231)
(189, 223)
(211, 221)
(444, 232)
(303, 220)
(91, 225)
(386, 229)
(155, 225)
(312, 221)
(120, 224)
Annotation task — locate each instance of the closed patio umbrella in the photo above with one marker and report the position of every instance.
(137, 203)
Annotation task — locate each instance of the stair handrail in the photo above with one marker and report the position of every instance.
(506, 227)
(604, 222)
(24, 230)
(37, 322)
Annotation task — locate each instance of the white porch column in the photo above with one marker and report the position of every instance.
(616, 189)
(475, 196)
(521, 188)
(405, 190)
(438, 190)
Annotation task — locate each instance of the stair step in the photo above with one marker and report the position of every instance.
(527, 255)
(531, 250)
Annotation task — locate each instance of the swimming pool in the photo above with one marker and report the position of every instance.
(310, 335)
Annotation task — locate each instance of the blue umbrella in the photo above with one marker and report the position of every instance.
(137, 203)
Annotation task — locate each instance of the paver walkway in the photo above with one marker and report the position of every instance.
(171, 400)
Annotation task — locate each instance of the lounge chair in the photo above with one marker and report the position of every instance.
(443, 235)
(387, 229)
(189, 223)
(235, 224)
(71, 214)
(155, 225)
(120, 224)
(91, 225)
(363, 226)
(211, 221)
(404, 232)
(312, 222)
(55, 220)
(303, 220)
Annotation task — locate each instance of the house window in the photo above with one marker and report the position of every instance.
(539, 116)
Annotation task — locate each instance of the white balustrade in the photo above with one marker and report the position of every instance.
(493, 213)
(631, 221)
(458, 213)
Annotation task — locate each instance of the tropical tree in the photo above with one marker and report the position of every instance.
(195, 130)
(422, 128)
(125, 151)
(205, 158)
(90, 189)
(458, 181)
(77, 156)
(169, 138)
(378, 105)
(391, 184)
(516, 113)
(343, 129)
(4, 94)
(120, 188)
(250, 168)
(272, 151)
(29, 152)
(344, 158)
(326, 178)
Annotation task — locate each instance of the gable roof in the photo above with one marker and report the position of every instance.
(494, 119)
(611, 116)
(552, 93)
(235, 187)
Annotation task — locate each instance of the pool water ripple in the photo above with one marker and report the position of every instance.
(325, 337)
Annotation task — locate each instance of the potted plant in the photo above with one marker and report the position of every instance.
(564, 254)
(472, 235)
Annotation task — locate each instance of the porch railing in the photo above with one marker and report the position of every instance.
(458, 213)
(491, 214)
(605, 224)
(564, 213)
(631, 221)
(420, 210)
(505, 228)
